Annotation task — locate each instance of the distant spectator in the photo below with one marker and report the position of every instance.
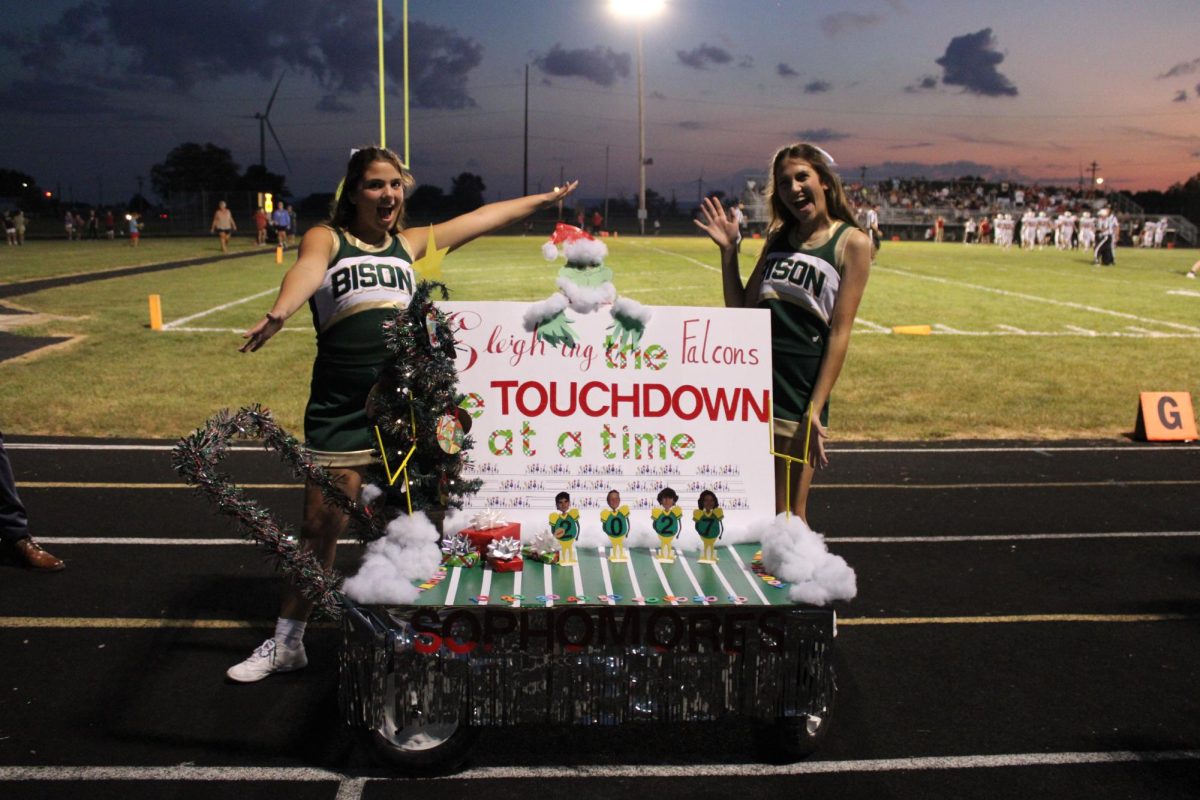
(282, 221)
(69, 225)
(597, 221)
(92, 225)
(223, 225)
(10, 229)
(110, 225)
(135, 228)
(19, 223)
(260, 226)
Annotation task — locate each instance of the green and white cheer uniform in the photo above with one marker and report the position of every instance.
(800, 288)
(363, 287)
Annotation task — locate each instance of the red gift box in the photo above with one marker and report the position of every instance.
(514, 564)
(482, 538)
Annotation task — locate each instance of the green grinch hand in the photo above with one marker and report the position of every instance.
(557, 331)
(625, 330)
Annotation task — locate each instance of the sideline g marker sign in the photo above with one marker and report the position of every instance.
(1165, 417)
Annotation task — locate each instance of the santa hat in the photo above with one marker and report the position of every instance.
(578, 245)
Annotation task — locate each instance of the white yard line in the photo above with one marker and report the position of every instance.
(608, 587)
(547, 584)
(662, 578)
(452, 589)
(874, 327)
(175, 323)
(692, 577)
(750, 576)
(729, 592)
(578, 573)
(1039, 299)
(485, 588)
(708, 267)
(637, 589)
(229, 330)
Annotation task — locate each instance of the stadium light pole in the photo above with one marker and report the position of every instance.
(639, 10)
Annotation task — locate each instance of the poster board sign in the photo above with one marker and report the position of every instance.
(688, 407)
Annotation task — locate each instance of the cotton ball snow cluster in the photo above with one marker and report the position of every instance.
(409, 552)
(793, 552)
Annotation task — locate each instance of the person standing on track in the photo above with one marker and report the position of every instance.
(811, 276)
(14, 523)
(364, 236)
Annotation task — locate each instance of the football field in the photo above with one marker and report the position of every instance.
(1021, 344)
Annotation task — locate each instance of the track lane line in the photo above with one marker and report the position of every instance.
(847, 766)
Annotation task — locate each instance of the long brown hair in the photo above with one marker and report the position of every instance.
(838, 205)
(342, 212)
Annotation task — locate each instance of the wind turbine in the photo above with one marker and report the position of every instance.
(264, 125)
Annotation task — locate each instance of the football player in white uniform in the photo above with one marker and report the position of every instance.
(1087, 231)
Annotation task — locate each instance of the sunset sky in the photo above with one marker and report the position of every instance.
(95, 92)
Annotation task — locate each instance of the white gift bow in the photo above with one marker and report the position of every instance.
(490, 518)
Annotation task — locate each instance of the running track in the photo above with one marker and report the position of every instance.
(1027, 625)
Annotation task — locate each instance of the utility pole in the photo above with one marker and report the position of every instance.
(525, 180)
(606, 148)
(1092, 188)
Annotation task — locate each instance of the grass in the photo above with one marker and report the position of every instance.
(51, 259)
(985, 381)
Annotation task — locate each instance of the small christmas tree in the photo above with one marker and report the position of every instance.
(416, 402)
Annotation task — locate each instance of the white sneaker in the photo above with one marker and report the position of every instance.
(270, 657)
(1191, 275)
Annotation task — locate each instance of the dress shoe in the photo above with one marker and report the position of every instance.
(35, 557)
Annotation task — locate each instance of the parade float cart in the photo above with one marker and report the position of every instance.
(596, 643)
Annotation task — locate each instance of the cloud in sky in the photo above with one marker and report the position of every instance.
(40, 96)
(970, 61)
(926, 83)
(690, 125)
(700, 57)
(178, 47)
(441, 63)
(1182, 68)
(819, 135)
(746, 62)
(911, 146)
(817, 87)
(332, 104)
(1180, 97)
(785, 71)
(847, 22)
(600, 65)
